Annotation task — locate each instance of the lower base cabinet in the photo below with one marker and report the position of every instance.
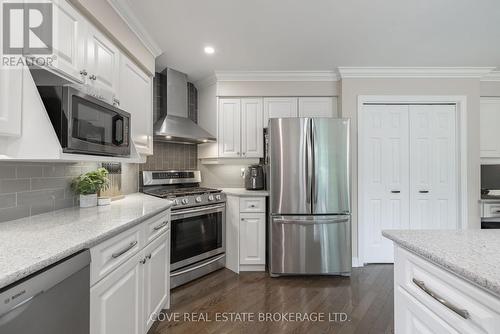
(127, 300)
(245, 233)
(429, 299)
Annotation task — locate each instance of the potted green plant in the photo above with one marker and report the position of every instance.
(88, 185)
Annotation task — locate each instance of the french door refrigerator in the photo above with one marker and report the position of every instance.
(310, 216)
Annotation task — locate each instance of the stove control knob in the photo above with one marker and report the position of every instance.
(198, 199)
(176, 202)
(210, 198)
(217, 197)
(185, 201)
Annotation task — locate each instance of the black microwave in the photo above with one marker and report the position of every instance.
(85, 124)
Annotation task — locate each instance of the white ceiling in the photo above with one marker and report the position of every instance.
(305, 35)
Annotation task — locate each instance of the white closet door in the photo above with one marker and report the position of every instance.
(433, 167)
(384, 176)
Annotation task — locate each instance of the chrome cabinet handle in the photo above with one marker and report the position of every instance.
(143, 261)
(461, 312)
(83, 72)
(395, 191)
(148, 257)
(162, 225)
(424, 191)
(123, 251)
(92, 77)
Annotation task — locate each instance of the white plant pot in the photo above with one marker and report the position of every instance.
(101, 201)
(87, 201)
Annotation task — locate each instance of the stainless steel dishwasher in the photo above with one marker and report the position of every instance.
(54, 300)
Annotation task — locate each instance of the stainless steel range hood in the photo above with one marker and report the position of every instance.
(174, 124)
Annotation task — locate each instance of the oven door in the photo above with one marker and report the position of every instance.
(94, 126)
(197, 233)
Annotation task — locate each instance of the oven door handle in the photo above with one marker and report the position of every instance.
(198, 266)
(207, 208)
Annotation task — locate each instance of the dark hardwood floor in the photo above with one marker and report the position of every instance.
(366, 299)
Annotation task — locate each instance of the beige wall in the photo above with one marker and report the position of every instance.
(352, 88)
(490, 88)
(278, 88)
(105, 18)
(222, 176)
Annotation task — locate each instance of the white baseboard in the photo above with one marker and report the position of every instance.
(355, 263)
(252, 267)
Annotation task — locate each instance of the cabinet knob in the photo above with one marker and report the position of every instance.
(143, 261)
(83, 72)
(92, 77)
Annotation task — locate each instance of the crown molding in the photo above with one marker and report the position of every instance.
(127, 14)
(276, 76)
(492, 76)
(414, 72)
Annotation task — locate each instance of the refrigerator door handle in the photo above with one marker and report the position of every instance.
(309, 164)
(313, 176)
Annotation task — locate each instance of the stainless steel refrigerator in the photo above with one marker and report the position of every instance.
(310, 214)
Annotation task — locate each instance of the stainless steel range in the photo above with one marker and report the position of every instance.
(198, 227)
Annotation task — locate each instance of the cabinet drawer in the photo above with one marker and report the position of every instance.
(490, 210)
(480, 310)
(111, 253)
(253, 204)
(156, 225)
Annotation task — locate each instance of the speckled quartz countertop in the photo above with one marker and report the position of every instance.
(244, 192)
(30, 244)
(471, 254)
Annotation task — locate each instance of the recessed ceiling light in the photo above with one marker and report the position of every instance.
(209, 50)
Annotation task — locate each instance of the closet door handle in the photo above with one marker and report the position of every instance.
(424, 191)
(395, 191)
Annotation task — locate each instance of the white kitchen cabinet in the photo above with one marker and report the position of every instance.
(156, 278)
(69, 41)
(417, 311)
(252, 238)
(279, 107)
(229, 139)
(408, 173)
(489, 132)
(135, 95)
(116, 301)
(11, 88)
(245, 233)
(252, 125)
(126, 300)
(317, 107)
(103, 62)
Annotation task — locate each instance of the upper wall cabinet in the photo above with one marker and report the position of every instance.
(135, 95)
(316, 107)
(103, 61)
(241, 128)
(69, 42)
(489, 134)
(277, 107)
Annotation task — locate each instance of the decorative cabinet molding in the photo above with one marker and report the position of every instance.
(489, 132)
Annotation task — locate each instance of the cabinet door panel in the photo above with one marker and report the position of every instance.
(279, 107)
(136, 97)
(11, 88)
(156, 277)
(316, 107)
(433, 167)
(489, 128)
(384, 173)
(116, 301)
(252, 238)
(103, 57)
(229, 128)
(69, 42)
(252, 128)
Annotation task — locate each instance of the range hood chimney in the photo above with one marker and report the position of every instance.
(173, 124)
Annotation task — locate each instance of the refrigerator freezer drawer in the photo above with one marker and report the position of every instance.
(310, 245)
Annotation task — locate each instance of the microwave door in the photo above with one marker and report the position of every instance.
(330, 190)
(290, 165)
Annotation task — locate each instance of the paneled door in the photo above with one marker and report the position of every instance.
(229, 128)
(383, 168)
(433, 167)
(103, 57)
(252, 125)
